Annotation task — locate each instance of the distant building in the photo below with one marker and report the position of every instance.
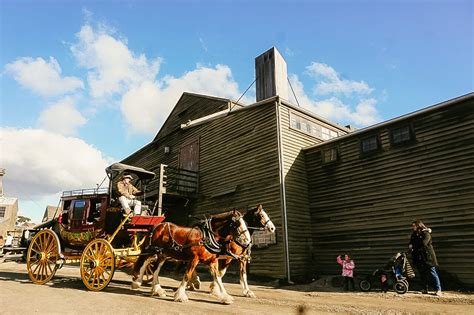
(8, 209)
(49, 213)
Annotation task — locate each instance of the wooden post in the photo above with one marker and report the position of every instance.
(162, 188)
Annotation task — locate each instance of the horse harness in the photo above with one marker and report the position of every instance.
(209, 242)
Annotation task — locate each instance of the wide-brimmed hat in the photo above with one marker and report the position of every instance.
(127, 176)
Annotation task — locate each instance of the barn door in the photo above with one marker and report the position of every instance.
(189, 156)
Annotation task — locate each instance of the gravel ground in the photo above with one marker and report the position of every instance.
(66, 294)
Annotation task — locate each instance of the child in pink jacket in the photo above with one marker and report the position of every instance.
(347, 271)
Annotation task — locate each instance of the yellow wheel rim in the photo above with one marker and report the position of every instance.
(148, 275)
(97, 265)
(42, 255)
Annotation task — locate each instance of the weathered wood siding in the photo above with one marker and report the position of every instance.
(296, 188)
(365, 205)
(238, 168)
(189, 107)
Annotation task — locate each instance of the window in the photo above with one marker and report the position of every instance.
(311, 128)
(2, 212)
(401, 135)
(78, 211)
(369, 144)
(330, 155)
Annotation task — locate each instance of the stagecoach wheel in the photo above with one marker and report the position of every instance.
(148, 275)
(97, 265)
(365, 285)
(42, 255)
(400, 287)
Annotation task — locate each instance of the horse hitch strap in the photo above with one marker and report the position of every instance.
(208, 238)
(179, 247)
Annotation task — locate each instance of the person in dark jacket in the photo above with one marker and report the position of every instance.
(423, 255)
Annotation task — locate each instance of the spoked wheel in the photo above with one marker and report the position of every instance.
(42, 255)
(365, 285)
(97, 265)
(401, 287)
(148, 275)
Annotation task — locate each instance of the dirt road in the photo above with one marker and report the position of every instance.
(67, 295)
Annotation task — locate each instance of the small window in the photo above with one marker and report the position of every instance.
(311, 128)
(2, 212)
(330, 155)
(401, 135)
(78, 211)
(370, 144)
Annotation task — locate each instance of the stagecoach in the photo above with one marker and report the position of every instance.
(91, 229)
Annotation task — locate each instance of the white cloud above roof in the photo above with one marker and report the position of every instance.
(62, 117)
(360, 111)
(330, 81)
(116, 72)
(42, 76)
(113, 67)
(147, 106)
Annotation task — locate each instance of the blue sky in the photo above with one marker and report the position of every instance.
(86, 83)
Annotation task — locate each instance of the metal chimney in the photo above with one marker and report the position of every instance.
(271, 74)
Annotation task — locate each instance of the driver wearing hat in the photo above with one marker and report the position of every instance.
(127, 195)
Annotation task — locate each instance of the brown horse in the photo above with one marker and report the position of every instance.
(194, 245)
(256, 219)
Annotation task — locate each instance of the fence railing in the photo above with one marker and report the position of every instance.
(181, 181)
(84, 192)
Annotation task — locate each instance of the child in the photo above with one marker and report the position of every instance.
(347, 271)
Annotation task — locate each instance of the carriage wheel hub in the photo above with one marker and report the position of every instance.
(94, 263)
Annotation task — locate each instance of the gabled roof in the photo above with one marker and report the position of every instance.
(192, 106)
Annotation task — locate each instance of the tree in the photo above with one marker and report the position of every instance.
(20, 220)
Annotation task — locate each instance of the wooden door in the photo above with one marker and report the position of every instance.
(189, 156)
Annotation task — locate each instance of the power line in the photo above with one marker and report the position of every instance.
(293, 92)
(247, 89)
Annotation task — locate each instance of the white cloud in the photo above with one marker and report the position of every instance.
(145, 100)
(42, 76)
(331, 81)
(145, 107)
(62, 117)
(362, 114)
(113, 68)
(39, 162)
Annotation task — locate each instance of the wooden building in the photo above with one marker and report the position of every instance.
(214, 154)
(367, 187)
(8, 209)
(222, 155)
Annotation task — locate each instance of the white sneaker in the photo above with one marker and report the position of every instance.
(439, 293)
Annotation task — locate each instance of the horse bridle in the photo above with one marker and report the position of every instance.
(262, 221)
(239, 239)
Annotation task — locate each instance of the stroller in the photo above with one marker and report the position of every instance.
(397, 271)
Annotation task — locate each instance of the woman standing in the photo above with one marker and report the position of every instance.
(423, 255)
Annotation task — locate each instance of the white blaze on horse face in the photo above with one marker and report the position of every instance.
(266, 222)
(244, 234)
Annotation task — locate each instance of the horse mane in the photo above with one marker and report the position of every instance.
(224, 215)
